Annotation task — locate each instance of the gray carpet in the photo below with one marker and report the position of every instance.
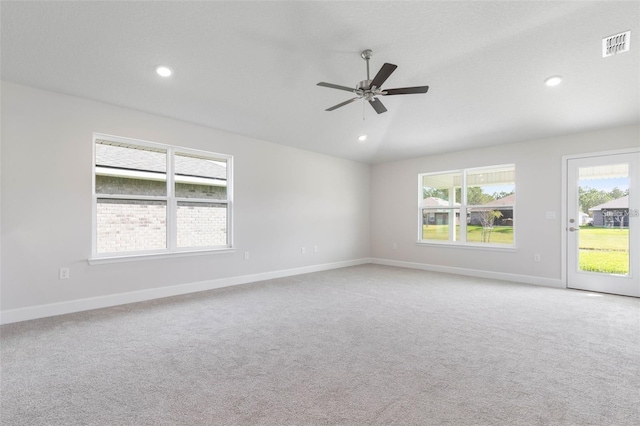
(362, 345)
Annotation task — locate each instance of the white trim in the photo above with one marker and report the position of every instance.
(565, 219)
(170, 200)
(230, 207)
(564, 211)
(171, 219)
(94, 200)
(110, 258)
(79, 305)
(502, 276)
(463, 208)
(132, 197)
(472, 246)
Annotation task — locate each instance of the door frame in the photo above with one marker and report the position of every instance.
(565, 214)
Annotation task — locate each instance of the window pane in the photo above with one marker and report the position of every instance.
(202, 224)
(441, 189)
(485, 225)
(130, 225)
(488, 186)
(130, 170)
(198, 177)
(436, 224)
(603, 241)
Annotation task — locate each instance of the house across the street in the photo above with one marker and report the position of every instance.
(611, 214)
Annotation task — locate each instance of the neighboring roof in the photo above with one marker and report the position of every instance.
(509, 200)
(129, 158)
(620, 203)
(436, 202)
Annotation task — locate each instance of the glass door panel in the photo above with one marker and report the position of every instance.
(603, 241)
(603, 197)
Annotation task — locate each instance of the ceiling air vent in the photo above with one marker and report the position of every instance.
(616, 44)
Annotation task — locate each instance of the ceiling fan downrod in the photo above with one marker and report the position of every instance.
(366, 55)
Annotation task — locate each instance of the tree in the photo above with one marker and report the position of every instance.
(476, 197)
(591, 197)
(436, 193)
(487, 218)
(502, 194)
(618, 193)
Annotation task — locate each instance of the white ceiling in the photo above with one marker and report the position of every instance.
(252, 67)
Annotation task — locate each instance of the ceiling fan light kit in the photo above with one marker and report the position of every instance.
(369, 89)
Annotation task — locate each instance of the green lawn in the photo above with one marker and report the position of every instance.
(499, 234)
(604, 250)
(591, 238)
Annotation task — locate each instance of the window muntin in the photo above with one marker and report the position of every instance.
(151, 198)
(484, 197)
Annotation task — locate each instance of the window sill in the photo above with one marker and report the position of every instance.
(152, 256)
(490, 247)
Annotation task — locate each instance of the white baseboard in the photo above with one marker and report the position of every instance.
(61, 308)
(53, 309)
(503, 276)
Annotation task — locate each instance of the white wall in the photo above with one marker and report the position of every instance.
(394, 192)
(284, 199)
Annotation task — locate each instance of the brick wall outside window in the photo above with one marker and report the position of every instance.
(131, 225)
(124, 225)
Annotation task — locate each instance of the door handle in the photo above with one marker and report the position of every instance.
(572, 229)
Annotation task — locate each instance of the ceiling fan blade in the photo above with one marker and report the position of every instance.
(383, 75)
(406, 90)
(342, 104)
(377, 105)
(336, 86)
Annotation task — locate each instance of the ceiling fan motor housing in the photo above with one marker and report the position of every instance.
(363, 85)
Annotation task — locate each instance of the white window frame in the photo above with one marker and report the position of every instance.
(463, 208)
(171, 202)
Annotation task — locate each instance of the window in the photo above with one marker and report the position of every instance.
(150, 198)
(468, 207)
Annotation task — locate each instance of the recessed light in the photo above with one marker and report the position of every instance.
(164, 71)
(554, 80)
(362, 138)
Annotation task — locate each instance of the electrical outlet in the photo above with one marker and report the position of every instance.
(536, 257)
(395, 246)
(63, 273)
(303, 250)
(246, 255)
(315, 249)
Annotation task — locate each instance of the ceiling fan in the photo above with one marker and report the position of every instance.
(368, 89)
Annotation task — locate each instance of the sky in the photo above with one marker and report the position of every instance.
(605, 184)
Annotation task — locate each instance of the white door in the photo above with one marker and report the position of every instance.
(603, 223)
